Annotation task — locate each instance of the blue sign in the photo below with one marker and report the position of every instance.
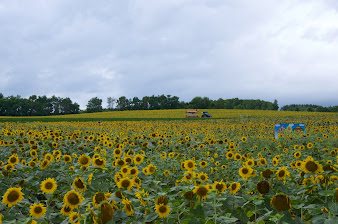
(289, 129)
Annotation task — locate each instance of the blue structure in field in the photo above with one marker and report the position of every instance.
(288, 129)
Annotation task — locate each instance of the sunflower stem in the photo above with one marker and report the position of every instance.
(215, 208)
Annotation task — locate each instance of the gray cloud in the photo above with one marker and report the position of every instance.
(282, 50)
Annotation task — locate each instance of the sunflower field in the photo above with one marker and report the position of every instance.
(171, 171)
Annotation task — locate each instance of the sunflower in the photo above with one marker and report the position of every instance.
(72, 199)
(267, 173)
(275, 162)
(66, 210)
(67, 158)
(297, 154)
(74, 216)
(120, 162)
(107, 213)
(48, 186)
(281, 202)
(134, 171)
(79, 184)
(162, 210)
(245, 172)
(309, 145)
(234, 187)
(311, 166)
(125, 183)
(13, 159)
(219, 186)
(138, 159)
(117, 152)
(98, 198)
(128, 207)
(12, 196)
(201, 191)
(84, 160)
(151, 168)
(44, 164)
(32, 163)
(190, 165)
(263, 187)
(262, 161)
(99, 162)
(37, 210)
(230, 155)
(49, 157)
(125, 171)
(238, 156)
(282, 173)
(203, 164)
(203, 176)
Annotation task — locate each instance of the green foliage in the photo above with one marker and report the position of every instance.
(94, 105)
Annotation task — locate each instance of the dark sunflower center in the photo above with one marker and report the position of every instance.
(267, 173)
(120, 162)
(202, 191)
(13, 196)
(311, 166)
(263, 187)
(202, 177)
(79, 184)
(125, 183)
(67, 158)
(73, 199)
(125, 170)
(190, 165)
(219, 187)
(281, 203)
(162, 209)
(13, 160)
(99, 161)
(133, 172)
(138, 159)
(84, 160)
(245, 171)
(281, 173)
(67, 209)
(49, 185)
(38, 210)
(99, 198)
(233, 186)
(203, 163)
(152, 169)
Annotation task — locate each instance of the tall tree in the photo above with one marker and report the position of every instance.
(94, 105)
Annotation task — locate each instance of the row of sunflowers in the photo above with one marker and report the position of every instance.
(203, 171)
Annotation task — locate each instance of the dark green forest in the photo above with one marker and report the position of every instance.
(44, 106)
(309, 108)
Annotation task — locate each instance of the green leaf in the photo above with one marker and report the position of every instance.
(249, 214)
(333, 220)
(151, 217)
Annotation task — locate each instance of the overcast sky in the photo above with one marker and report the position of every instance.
(263, 49)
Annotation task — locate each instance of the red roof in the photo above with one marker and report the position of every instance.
(191, 111)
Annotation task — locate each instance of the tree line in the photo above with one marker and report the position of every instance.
(36, 106)
(172, 102)
(309, 108)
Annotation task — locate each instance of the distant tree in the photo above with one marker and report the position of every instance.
(110, 103)
(123, 103)
(94, 105)
(275, 105)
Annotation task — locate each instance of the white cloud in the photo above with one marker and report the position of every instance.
(81, 49)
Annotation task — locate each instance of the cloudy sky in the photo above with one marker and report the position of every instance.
(263, 49)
